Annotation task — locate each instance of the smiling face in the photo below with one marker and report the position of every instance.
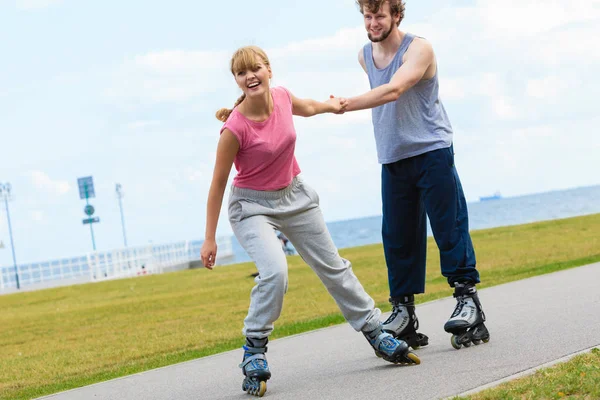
(381, 23)
(251, 69)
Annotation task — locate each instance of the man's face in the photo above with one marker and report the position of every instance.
(379, 25)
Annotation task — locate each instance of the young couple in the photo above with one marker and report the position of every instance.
(414, 145)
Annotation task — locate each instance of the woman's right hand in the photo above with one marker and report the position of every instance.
(339, 104)
(208, 253)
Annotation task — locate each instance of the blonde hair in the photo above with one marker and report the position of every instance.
(243, 59)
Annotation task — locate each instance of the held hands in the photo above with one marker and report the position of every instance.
(339, 104)
(208, 253)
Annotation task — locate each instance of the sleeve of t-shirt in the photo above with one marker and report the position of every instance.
(286, 95)
(234, 128)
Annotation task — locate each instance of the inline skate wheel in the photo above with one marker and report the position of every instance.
(487, 339)
(476, 342)
(414, 358)
(257, 389)
(454, 342)
(260, 390)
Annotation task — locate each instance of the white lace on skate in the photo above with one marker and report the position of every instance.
(398, 320)
(465, 310)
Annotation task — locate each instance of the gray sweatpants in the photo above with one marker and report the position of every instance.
(294, 210)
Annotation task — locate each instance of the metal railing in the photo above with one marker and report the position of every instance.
(113, 264)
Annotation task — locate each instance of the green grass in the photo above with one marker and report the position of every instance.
(62, 338)
(575, 379)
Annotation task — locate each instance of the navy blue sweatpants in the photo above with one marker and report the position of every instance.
(412, 188)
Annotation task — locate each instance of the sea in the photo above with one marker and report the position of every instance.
(495, 212)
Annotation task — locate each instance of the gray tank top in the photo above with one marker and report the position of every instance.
(414, 124)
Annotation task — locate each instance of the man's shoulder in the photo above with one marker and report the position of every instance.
(361, 55)
(420, 42)
(364, 47)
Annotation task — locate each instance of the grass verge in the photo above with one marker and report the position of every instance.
(576, 379)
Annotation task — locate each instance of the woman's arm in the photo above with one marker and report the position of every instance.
(226, 151)
(310, 107)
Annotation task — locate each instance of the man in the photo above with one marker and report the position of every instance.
(414, 145)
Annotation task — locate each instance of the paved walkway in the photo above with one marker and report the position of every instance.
(532, 322)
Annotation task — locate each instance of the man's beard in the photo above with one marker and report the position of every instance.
(383, 36)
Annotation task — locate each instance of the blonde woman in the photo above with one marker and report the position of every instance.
(267, 195)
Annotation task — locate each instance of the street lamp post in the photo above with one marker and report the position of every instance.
(120, 195)
(5, 193)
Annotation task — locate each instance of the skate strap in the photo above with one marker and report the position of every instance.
(468, 291)
(380, 338)
(403, 300)
(255, 350)
(253, 357)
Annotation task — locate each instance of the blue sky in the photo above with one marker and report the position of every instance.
(126, 92)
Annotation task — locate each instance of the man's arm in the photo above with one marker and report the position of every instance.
(418, 59)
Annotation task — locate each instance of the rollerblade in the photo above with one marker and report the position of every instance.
(466, 323)
(403, 323)
(255, 368)
(389, 348)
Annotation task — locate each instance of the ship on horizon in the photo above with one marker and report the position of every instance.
(496, 196)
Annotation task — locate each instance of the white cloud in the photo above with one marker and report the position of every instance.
(350, 118)
(548, 88)
(525, 18)
(570, 45)
(503, 108)
(36, 4)
(43, 182)
(453, 89)
(491, 86)
(181, 75)
(169, 76)
(513, 31)
(348, 39)
(180, 61)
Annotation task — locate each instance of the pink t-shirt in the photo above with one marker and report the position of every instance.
(265, 160)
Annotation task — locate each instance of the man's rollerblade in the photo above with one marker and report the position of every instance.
(403, 322)
(389, 348)
(255, 368)
(466, 322)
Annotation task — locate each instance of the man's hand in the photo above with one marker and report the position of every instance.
(341, 101)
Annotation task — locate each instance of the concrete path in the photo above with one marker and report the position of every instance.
(532, 322)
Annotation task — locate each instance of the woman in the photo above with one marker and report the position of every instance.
(267, 195)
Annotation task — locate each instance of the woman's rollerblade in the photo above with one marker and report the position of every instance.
(467, 321)
(403, 322)
(255, 368)
(389, 348)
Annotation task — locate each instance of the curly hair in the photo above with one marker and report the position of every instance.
(396, 6)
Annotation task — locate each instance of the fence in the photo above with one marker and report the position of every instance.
(113, 264)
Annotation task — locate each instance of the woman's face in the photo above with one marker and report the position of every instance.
(254, 81)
